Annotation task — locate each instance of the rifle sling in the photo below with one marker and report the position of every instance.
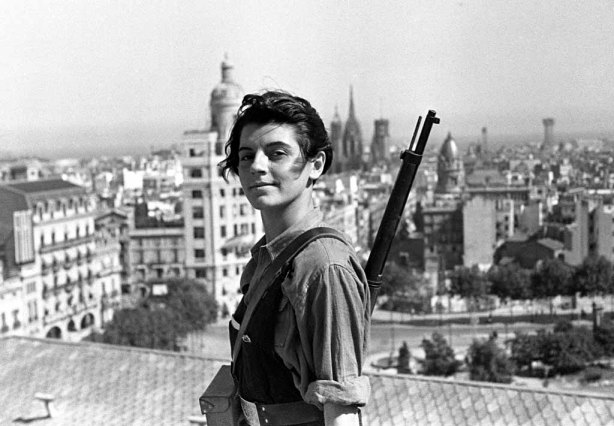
(277, 270)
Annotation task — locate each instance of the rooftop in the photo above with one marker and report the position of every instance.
(32, 187)
(112, 385)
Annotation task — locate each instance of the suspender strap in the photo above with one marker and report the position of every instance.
(277, 271)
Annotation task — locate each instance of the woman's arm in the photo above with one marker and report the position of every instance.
(341, 415)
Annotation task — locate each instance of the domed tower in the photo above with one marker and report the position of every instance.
(335, 134)
(226, 98)
(352, 138)
(450, 171)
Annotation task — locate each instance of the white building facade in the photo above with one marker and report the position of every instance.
(220, 224)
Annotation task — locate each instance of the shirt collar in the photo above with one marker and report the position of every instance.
(311, 219)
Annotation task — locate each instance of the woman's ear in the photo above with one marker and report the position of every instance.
(318, 165)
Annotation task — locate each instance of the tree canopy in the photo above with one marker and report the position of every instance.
(469, 283)
(551, 279)
(160, 321)
(439, 357)
(488, 362)
(593, 276)
(510, 282)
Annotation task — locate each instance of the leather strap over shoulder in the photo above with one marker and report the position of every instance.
(278, 269)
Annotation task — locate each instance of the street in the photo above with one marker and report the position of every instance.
(213, 343)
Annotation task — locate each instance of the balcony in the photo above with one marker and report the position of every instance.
(61, 245)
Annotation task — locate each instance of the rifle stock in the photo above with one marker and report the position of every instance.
(394, 209)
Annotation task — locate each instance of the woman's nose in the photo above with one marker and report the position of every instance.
(259, 164)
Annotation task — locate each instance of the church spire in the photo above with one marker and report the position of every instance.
(351, 115)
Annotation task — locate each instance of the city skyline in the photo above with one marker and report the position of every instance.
(80, 77)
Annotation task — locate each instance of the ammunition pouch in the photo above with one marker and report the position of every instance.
(220, 402)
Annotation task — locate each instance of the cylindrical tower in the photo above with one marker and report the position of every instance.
(548, 135)
(225, 101)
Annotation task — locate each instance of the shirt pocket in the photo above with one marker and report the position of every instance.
(284, 323)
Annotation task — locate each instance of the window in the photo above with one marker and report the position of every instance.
(195, 153)
(223, 231)
(197, 193)
(200, 273)
(222, 192)
(198, 213)
(236, 229)
(199, 253)
(225, 272)
(253, 228)
(222, 211)
(199, 232)
(196, 173)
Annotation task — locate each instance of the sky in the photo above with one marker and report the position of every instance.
(120, 76)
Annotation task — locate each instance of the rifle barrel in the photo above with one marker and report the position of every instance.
(396, 204)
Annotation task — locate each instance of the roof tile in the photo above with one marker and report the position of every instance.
(118, 386)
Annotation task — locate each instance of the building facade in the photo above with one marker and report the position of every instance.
(67, 286)
(220, 224)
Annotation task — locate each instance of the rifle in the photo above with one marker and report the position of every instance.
(218, 401)
(394, 209)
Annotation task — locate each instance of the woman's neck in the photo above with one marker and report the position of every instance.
(275, 222)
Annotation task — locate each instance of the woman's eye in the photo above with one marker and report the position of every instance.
(246, 157)
(277, 154)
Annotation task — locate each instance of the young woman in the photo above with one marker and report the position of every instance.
(303, 348)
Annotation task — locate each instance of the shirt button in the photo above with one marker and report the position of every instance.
(246, 339)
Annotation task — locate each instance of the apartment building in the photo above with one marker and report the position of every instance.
(49, 247)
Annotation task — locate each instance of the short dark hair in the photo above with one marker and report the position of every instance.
(282, 108)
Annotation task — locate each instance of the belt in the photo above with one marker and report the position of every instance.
(289, 413)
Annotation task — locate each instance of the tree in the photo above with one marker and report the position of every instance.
(568, 351)
(192, 302)
(404, 288)
(488, 362)
(604, 337)
(525, 350)
(439, 357)
(469, 283)
(550, 279)
(160, 321)
(143, 328)
(510, 282)
(593, 276)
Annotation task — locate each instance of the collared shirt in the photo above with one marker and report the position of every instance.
(323, 320)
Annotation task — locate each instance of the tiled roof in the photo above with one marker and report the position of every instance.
(420, 400)
(96, 384)
(42, 185)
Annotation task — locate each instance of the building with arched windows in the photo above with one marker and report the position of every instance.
(61, 284)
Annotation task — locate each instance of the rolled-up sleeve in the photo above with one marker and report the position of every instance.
(326, 345)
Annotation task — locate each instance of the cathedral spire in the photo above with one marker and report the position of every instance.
(351, 116)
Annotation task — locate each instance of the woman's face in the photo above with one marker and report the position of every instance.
(273, 171)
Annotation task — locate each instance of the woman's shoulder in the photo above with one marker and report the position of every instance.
(323, 258)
